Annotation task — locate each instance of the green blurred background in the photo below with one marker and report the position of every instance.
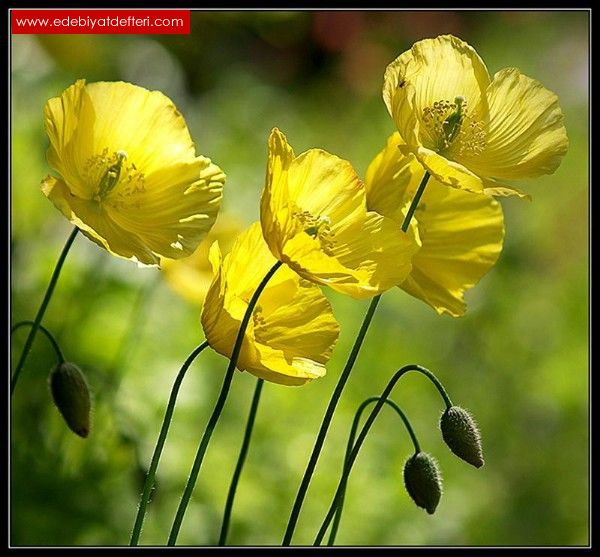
(518, 360)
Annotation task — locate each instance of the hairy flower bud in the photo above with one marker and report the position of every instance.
(423, 482)
(461, 434)
(72, 397)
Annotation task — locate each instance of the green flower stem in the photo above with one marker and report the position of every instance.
(59, 354)
(365, 430)
(351, 437)
(42, 310)
(415, 201)
(240, 462)
(339, 388)
(214, 418)
(337, 393)
(150, 476)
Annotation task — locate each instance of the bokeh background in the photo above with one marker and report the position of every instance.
(518, 359)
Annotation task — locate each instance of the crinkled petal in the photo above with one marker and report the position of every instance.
(433, 70)
(361, 254)
(176, 209)
(145, 124)
(71, 145)
(526, 136)
(273, 366)
(461, 233)
(292, 331)
(96, 223)
(219, 325)
(300, 324)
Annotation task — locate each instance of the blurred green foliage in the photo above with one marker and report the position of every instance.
(518, 360)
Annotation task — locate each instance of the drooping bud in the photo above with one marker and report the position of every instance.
(72, 397)
(461, 434)
(423, 482)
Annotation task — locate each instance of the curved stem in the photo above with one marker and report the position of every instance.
(415, 201)
(365, 430)
(314, 457)
(214, 418)
(240, 462)
(346, 473)
(149, 482)
(42, 310)
(49, 336)
(337, 393)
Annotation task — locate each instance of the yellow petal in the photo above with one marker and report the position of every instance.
(190, 277)
(94, 221)
(433, 70)
(315, 219)
(292, 331)
(526, 136)
(69, 150)
(303, 325)
(391, 177)
(176, 209)
(461, 233)
(145, 124)
(449, 172)
(125, 156)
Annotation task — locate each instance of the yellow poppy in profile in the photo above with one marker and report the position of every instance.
(466, 130)
(314, 218)
(130, 177)
(191, 276)
(292, 330)
(461, 233)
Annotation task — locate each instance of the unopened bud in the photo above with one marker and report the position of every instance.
(461, 434)
(423, 482)
(72, 397)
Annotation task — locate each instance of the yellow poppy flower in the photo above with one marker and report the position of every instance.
(315, 219)
(466, 130)
(191, 276)
(131, 180)
(292, 331)
(461, 233)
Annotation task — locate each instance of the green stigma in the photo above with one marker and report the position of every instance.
(112, 175)
(451, 125)
(313, 230)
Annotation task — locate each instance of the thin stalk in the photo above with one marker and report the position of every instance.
(415, 201)
(339, 388)
(240, 462)
(40, 314)
(350, 445)
(365, 430)
(337, 393)
(160, 443)
(214, 418)
(49, 336)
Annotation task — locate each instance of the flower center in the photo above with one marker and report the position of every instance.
(113, 173)
(449, 125)
(317, 227)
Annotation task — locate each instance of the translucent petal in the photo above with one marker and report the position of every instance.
(177, 208)
(359, 253)
(526, 136)
(292, 331)
(433, 70)
(164, 196)
(461, 233)
(96, 223)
